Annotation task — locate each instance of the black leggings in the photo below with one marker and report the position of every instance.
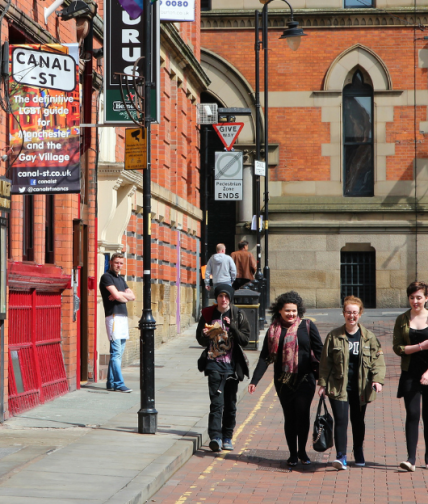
(412, 401)
(297, 418)
(340, 413)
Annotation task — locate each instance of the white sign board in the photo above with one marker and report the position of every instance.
(228, 176)
(260, 168)
(177, 10)
(226, 190)
(43, 69)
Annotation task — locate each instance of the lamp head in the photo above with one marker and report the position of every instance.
(293, 34)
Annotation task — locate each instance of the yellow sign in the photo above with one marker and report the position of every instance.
(135, 148)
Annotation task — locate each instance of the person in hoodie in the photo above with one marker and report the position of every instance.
(221, 267)
(225, 365)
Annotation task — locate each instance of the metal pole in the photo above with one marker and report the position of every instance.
(259, 275)
(266, 270)
(147, 415)
(205, 171)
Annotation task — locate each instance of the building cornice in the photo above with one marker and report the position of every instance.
(109, 171)
(183, 55)
(337, 204)
(243, 19)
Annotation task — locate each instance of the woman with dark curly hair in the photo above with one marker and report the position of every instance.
(289, 344)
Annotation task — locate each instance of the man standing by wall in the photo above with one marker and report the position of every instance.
(245, 265)
(221, 267)
(116, 293)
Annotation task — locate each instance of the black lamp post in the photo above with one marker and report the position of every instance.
(293, 35)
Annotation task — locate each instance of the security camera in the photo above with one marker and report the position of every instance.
(208, 110)
(4, 158)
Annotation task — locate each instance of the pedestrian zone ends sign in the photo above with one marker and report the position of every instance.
(228, 133)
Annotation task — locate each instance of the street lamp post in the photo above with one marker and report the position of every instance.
(293, 35)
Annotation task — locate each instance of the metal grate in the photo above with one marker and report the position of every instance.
(207, 113)
(358, 277)
(37, 372)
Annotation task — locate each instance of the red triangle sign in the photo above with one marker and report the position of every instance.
(228, 133)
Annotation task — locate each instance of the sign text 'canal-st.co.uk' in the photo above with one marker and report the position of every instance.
(228, 133)
(44, 123)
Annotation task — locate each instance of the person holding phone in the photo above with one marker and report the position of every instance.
(410, 342)
(352, 371)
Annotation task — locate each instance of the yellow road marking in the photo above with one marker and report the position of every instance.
(223, 454)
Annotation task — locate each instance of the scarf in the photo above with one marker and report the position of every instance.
(290, 350)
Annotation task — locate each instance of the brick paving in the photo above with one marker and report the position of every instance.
(256, 472)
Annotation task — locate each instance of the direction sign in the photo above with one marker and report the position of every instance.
(135, 149)
(228, 133)
(228, 176)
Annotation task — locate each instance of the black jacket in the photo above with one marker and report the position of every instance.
(239, 330)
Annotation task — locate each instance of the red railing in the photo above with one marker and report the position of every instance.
(36, 364)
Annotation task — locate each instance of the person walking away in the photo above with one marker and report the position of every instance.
(352, 371)
(410, 342)
(226, 364)
(245, 265)
(115, 294)
(289, 344)
(221, 267)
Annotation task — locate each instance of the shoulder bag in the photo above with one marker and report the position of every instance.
(323, 428)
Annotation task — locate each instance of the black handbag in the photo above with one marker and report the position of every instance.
(202, 361)
(323, 428)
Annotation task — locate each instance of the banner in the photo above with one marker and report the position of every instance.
(123, 46)
(177, 10)
(44, 121)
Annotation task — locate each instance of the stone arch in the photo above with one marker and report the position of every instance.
(358, 55)
(232, 89)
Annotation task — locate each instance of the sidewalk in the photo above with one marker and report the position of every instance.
(84, 447)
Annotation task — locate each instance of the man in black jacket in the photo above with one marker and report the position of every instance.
(226, 364)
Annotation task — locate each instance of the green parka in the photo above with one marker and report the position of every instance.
(401, 338)
(335, 362)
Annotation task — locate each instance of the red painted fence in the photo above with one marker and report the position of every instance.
(36, 364)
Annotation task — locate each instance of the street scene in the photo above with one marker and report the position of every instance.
(84, 447)
(213, 237)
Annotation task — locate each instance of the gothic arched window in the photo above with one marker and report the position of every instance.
(358, 166)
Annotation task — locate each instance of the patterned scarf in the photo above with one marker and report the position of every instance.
(290, 350)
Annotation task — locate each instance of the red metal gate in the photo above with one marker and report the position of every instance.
(37, 372)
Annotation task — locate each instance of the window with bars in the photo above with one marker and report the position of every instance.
(358, 276)
(358, 164)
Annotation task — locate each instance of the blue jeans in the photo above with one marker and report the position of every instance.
(114, 375)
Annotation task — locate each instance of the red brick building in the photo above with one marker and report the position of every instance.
(348, 153)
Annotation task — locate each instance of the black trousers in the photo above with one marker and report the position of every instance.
(297, 418)
(412, 401)
(340, 414)
(222, 417)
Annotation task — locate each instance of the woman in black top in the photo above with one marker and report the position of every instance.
(289, 343)
(411, 344)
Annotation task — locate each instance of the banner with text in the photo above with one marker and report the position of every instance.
(44, 121)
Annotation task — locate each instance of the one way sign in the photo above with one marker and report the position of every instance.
(228, 133)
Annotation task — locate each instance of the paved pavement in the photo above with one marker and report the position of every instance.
(84, 447)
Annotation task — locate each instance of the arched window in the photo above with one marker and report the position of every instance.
(358, 167)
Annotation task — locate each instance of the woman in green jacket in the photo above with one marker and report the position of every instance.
(410, 342)
(352, 370)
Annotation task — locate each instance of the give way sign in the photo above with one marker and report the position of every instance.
(228, 133)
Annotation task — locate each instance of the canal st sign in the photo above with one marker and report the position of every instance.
(44, 123)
